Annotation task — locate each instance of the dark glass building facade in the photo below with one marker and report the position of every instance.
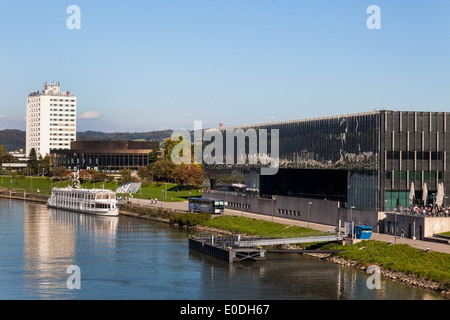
(106, 156)
(366, 160)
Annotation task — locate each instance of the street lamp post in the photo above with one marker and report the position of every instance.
(242, 205)
(273, 203)
(139, 196)
(395, 227)
(309, 203)
(351, 218)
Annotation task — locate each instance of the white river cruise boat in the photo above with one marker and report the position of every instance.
(92, 201)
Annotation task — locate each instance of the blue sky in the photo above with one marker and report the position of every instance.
(151, 65)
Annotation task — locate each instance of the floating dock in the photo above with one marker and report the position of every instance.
(225, 249)
(235, 250)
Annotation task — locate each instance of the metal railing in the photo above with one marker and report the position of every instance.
(249, 242)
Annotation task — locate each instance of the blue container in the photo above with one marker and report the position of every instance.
(363, 232)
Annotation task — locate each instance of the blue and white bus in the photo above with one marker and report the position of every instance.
(206, 205)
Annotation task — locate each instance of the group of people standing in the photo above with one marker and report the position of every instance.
(426, 211)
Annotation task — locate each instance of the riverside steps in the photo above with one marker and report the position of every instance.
(226, 249)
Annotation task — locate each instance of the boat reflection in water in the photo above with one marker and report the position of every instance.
(53, 240)
(85, 222)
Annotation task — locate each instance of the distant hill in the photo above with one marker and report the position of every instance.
(12, 139)
(143, 136)
(15, 139)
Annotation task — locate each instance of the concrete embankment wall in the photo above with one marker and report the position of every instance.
(320, 211)
(24, 196)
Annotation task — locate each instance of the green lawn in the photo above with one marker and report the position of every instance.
(169, 192)
(267, 229)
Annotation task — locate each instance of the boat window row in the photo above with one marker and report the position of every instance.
(87, 196)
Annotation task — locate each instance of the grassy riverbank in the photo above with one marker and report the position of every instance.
(168, 192)
(433, 266)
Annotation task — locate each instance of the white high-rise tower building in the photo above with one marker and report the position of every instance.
(51, 119)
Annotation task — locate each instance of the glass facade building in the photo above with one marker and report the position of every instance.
(364, 160)
(106, 156)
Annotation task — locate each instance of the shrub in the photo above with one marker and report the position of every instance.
(190, 219)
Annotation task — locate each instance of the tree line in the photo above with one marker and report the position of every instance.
(160, 168)
(13, 139)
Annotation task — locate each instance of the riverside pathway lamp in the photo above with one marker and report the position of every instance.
(274, 198)
(309, 204)
(351, 218)
(395, 227)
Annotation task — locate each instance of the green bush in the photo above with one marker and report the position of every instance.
(190, 219)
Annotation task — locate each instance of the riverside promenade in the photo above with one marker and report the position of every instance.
(419, 244)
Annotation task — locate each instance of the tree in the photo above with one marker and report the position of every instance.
(183, 145)
(144, 173)
(190, 175)
(85, 175)
(59, 172)
(163, 170)
(46, 164)
(33, 161)
(196, 175)
(126, 176)
(67, 174)
(169, 144)
(98, 176)
(5, 156)
(181, 174)
(155, 154)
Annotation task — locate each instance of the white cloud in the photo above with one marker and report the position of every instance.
(89, 115)
(2, 116)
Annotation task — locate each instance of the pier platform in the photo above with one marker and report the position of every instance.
(225, 249)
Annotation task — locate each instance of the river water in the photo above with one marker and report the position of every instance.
(124, 258)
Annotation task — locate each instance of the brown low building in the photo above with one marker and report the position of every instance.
(106, 156)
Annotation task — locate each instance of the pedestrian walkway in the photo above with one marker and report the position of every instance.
(419, 244)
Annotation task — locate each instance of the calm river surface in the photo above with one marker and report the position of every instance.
(128, 258)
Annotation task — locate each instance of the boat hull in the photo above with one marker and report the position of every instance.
(105, 213)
